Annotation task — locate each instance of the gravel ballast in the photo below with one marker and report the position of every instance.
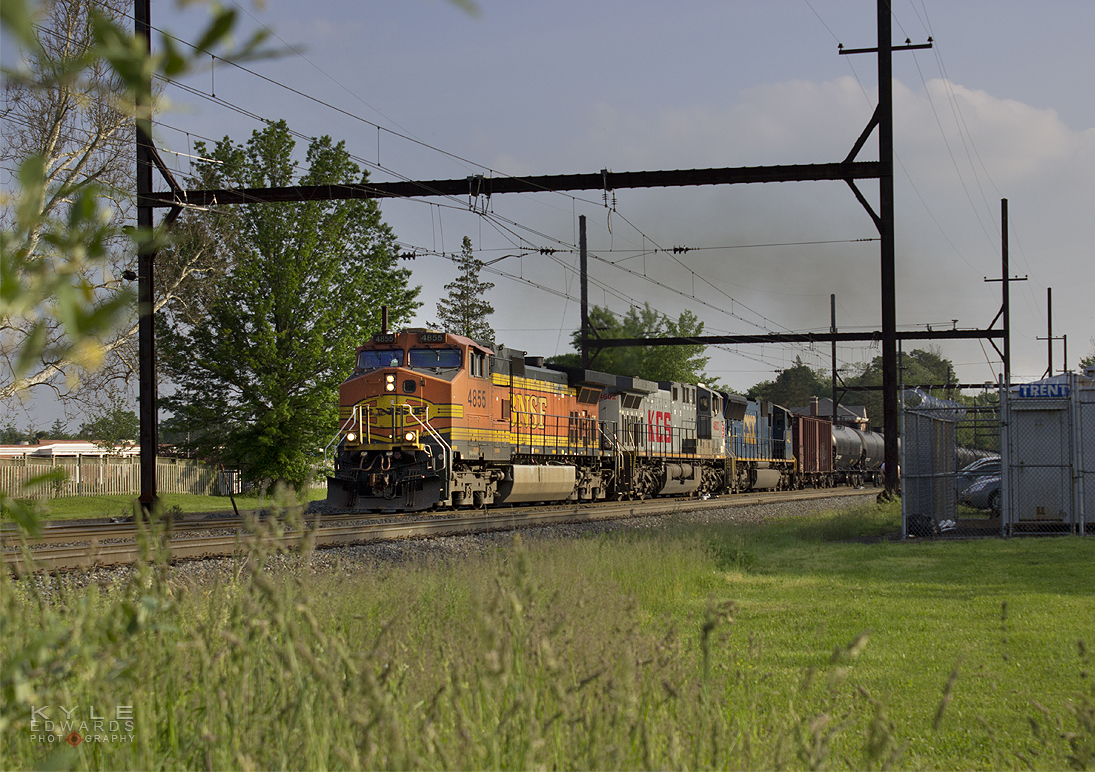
(373, 554)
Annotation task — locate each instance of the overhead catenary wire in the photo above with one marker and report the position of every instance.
(514, 234)
(367, 163)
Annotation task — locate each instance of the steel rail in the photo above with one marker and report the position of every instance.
(95, 553)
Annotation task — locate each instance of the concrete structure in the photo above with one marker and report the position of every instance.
(50, 448)
(848, 415)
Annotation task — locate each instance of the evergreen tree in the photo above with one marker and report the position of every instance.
(464, 311)
(10, 435)
(258, 358)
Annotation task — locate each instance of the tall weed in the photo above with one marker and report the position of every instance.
(602, 653)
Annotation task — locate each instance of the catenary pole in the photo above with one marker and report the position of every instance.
(886, 225)
(146, 258)
(832, 329)
(584, 268)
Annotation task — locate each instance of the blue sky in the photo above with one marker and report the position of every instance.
(1002, 107)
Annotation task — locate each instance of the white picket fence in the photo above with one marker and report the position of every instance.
(95, 475)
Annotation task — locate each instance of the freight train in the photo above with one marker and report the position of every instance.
(428, 420)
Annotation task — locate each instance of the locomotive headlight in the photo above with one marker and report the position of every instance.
(410, 436)
(389, 382)
(351, 437)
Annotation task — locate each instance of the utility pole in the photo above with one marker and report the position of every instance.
(1005, 305)
(584, 335)
(1049, 335)
(1006, 308)
(884, 221)
(1049, 331)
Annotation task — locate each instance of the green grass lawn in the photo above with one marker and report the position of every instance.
(1010, 618)
(785, 645)
(79, 507)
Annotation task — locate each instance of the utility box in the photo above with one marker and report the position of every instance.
(1049, 440)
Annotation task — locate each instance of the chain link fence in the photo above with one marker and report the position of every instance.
(1086, 453)
(947, 448)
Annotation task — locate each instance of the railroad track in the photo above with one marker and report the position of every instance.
(66, 547)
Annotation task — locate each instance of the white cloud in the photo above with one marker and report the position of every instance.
(948, 208)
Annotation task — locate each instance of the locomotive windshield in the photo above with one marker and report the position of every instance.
(436, 357)
(372, 360)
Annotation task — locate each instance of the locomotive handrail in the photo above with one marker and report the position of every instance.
(366, 422)
(445, 447)
(355, 413)
(429, 428)
(335, 439)
(613, 439)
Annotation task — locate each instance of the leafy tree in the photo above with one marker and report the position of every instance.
(919, 368)
(654, 363)
(464, 311)
(794, 386)
(1090, 358)
(67, 129)
(259, 355)
(111, 428)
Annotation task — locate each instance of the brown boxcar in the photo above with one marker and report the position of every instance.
(813, 447)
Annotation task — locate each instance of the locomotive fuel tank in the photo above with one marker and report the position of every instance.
(526, 482)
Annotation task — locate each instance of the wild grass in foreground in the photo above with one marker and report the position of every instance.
(765, 647)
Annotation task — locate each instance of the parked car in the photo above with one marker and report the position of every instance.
(984, 493)
(982, 467)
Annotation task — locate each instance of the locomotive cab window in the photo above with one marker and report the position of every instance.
(436, 358)
(477, 364)
(373, 360)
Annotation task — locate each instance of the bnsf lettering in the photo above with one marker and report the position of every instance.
(582, 429)
(402, 410)
(529, 410)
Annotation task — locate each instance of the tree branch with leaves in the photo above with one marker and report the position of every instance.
(67, 320)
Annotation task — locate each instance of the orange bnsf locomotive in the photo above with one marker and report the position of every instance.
(429, 419)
